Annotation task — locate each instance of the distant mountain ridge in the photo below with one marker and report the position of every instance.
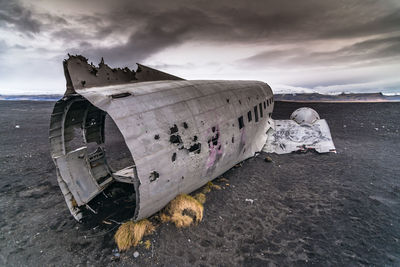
(343, 97)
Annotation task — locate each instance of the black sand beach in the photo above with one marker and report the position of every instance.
(301, 209)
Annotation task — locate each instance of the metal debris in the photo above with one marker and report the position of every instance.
(250, 200)
(305, 131)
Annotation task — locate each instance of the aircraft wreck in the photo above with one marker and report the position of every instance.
(180, 134)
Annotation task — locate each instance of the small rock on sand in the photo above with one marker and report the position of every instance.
(268, 159)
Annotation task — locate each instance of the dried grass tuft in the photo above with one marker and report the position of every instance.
(216, 187)
(200, 197)
(147, 244)
(222, 179)
(183, 210)
(181, 220)
(164, 218)
(130, 233)
(207, 188)
(73, 202)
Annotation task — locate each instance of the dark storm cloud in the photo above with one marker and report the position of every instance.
(159, 29)
(388, 22)
(14, 14)
(155, 26)
(127, 31)
(373, 49)
(364, 53)
(154, 33)
(24, 19)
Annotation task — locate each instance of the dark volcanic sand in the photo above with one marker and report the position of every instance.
(332, 209)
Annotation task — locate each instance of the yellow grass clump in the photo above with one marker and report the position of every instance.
(73, 202)
(147, 244)
(131, 233)
(216, 187)
(222, 179)
(200, 197)
(207, 188)
(183, 210)
(164, 218)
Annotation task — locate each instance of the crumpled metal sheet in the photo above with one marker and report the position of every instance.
(288, 136)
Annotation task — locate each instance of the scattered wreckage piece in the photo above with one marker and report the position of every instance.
(304, 131)
(180, 134)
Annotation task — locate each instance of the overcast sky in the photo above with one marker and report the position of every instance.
(307, 45)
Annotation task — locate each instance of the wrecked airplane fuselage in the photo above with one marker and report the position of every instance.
(181, 134)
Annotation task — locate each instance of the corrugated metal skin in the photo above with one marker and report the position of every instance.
(204, 110)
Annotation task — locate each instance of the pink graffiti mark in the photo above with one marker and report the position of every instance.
(242, 143)
(243, 136)
(214, 145)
